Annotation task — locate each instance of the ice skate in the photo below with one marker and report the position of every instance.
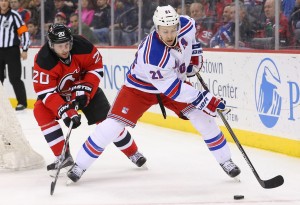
(231, 169)
(138, 159)
(74, 173)
(68, 161)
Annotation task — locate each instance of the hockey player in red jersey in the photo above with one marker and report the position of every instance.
(68, 69)
(164, 60)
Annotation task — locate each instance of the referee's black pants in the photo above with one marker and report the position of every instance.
(11, 57)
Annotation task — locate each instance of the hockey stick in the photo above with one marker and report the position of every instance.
(267, 184)
(60, 161)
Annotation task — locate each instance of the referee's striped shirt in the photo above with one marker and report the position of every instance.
(12, 28)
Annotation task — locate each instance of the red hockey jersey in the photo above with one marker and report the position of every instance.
(53, 78)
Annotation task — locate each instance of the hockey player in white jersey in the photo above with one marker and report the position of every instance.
(162, 63)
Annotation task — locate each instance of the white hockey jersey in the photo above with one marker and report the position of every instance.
(158, 68)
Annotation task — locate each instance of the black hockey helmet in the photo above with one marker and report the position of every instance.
(59, 33)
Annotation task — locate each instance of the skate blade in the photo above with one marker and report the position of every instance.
(237, 178)
(144, 167)
(69, 182)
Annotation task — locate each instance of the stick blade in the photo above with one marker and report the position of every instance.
(272, 183)
(52, 188)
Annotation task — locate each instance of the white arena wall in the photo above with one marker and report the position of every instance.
(262, 90)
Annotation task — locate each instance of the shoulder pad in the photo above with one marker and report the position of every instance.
(156, 52)
(81, 45)
(46, 59)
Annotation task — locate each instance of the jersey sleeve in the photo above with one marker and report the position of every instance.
(22, 31)
(45, 85)
(93, 67)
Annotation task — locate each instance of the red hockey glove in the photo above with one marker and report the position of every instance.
(67, 112)
(209, 104)
(196, 62)
(81, 93)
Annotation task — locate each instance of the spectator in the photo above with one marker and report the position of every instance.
(294, 23)
(60, 18)
(34, 33)
(186, 9)
(245, 28)
(148, 9)
(255, 13)
(205, 26)
(126, 20)
(86, 31)
(287, 7)
(35, 10)
(13, 28)
(24, 13)
(223, 37)
(60, 6)
(101, 21)
(87, 11)
(267, 35)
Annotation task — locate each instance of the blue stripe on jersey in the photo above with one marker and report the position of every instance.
(177, 92)
(174, 90)
(156, 53)
(138, 83)
(186, 26)
(199, 98)
(91, 148)
(166, 60)
(216, 143)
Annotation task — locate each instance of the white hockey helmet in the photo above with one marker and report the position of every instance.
(165, 16)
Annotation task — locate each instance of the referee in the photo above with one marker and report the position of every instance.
(12, 28)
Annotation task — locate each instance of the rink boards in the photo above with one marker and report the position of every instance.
(262, 90)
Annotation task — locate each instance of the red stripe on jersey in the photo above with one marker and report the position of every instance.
(185, 28)
(164, 57)
(174, 90)
(148, 49)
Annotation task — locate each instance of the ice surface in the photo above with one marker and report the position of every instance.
(181, 170)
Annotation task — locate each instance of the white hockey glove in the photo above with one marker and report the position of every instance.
(209, 103)
(196, 62)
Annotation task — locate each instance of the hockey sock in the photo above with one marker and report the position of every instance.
(126, 143)
(104, 133)
(54, 137)
(212, 135)
(219, 147)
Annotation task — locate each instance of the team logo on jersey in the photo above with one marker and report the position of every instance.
(67, 81)
(5, 24)
(267, 92)
(183, 42)
(125, 110)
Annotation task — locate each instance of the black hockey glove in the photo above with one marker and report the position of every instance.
(81, 93)
(67, 112)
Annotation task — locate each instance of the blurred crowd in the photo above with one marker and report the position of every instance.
(215, 20)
